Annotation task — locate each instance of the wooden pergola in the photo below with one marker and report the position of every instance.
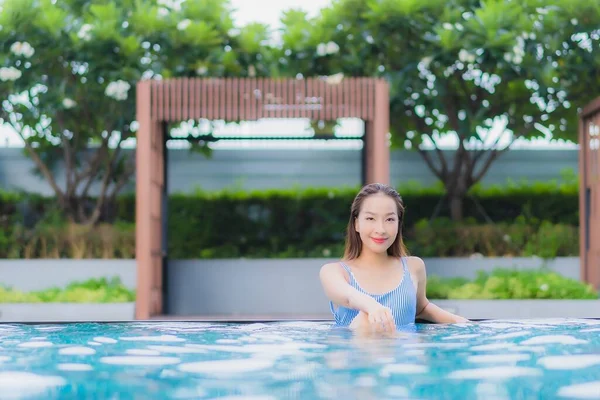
(589, 193)
(236, 99)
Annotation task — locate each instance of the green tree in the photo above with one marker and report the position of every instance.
(68, 74)
(459, 68)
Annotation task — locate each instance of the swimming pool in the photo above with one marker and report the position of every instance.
(508, 359)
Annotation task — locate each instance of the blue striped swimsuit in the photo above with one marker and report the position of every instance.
(402, 300)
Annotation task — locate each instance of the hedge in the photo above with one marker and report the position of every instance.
(439, 238)
(539, 219)
(551, 201)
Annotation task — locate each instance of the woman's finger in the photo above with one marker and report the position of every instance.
(390, 321)
(372, 319)
(391, 325)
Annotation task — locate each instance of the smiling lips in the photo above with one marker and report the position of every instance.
(379, 240)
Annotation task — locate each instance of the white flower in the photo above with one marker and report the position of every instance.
(465, 57)
(69, 103)
(518, 51)
(527, 35)
(201, 70)
(448, 26)
(335, 79)
(9, 74)
(22, 49)
(324, 49)
(517, 59)
(117, 90)
(84, 32)
(182, 25)
(542, 10)
(449, 71)
(519, 48)
(332, 48)
(544, 287)
(427, 61)
(173, 4)
(252, 71)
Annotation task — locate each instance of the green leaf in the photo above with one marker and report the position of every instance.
(251, 38)
(200, 33)
(129, 45)
(105, 19)
(51, 19)
(17, 12)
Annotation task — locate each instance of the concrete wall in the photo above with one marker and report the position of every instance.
(283, 287)
(262, 169)
(517, 309)
(69, 312)
(468, 267)
(274, 288)
(32, 275)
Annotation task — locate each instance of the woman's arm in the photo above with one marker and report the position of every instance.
(425, 309)
(340, 292)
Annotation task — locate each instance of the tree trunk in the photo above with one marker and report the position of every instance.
(457, 186)
(75, 209)
(456, 206)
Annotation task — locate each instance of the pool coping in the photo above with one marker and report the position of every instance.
(243, 321)
(471, 309)
(41, 312)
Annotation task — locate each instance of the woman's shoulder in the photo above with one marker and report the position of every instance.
(334, 266)
(416, 265)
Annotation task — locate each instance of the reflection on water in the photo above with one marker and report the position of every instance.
(301, 360)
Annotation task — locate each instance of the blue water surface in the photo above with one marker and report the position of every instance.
(516, 359)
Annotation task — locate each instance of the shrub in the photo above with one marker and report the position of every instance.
(444, 238)
(529, 219)
(100, 290)
(438, 239)
(505, 283)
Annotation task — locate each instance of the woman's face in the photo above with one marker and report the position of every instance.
(377, 222)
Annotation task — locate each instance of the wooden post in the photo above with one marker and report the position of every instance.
(589, 193)
(147, 205)
(377, 131)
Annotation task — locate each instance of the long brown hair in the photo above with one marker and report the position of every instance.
(353, 241)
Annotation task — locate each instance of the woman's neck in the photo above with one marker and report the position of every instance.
(373, 260)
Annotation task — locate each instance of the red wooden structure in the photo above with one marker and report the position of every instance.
(236, 99)
(589, 193)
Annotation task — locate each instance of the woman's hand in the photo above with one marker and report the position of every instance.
(460, 320)
(377, 318)
(381, 318)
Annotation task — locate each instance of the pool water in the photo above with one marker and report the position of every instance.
(516, 359)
